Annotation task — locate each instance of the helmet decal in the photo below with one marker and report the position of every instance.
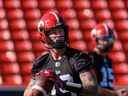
(40, 26)
(57, 19)
(50, 20)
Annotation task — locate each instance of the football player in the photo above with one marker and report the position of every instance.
(104, 38)
(72, 67)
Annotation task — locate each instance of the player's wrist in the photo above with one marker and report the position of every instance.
(42, 90)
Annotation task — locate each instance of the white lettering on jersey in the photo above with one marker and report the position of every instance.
(67, 78)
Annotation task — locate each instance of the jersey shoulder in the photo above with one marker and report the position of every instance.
(39, 61)
(97, 59)
(41, 58)
(72, 52)
(93, 53)
(82, 60)
(78, 54)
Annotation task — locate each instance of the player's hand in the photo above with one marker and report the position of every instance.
(46, 79)
(122, 92)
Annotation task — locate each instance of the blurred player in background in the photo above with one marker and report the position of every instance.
(65, 69)
(104, 38)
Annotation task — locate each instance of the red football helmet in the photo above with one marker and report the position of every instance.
(103, 32)
(49, 21)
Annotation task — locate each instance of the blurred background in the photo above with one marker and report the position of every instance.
(19, 39)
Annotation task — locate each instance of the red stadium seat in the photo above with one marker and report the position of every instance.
(32, 25)
(122, 79)
(87, 35)
(90, 45)
(123, 35)
(68, 13)
(4, 35)
(8, 57)
(121, 25)
(14, 13)
(38, 46)
(23, 45)
(120, 68)
(3, 24)
(2, 13)
(126, 3)
(31, 14)
(12, 79)
(87, 24)
(99, 4)
(17, 24)
(19, 35)
(125, 46)
(118, 56)
(10, 68)
(119, 14)
(64, 4)
(81, 45)
(1, 4)
(46, 4)
(85, 14)
(81, 4)
(116, 4)
(117, 46)
(11, 4)
(103, 15)
(75, 35)
(6, 46)
(35, 36)
(26, 79)
(27, 4)
(25, 56)
(25, 68)
(73, 24)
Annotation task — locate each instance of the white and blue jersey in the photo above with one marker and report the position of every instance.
(104, 71)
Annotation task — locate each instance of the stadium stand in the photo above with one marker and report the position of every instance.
(19, 39)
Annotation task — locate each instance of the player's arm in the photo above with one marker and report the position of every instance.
(106, 92)
(28, 89)
(34, 90)
(89, 84)
(42, 85)
(84, 66)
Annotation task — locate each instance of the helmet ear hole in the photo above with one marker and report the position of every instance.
(40, 27)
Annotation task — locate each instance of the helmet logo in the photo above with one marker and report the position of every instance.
(40, 26)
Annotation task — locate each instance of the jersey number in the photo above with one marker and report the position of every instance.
(107, 77)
